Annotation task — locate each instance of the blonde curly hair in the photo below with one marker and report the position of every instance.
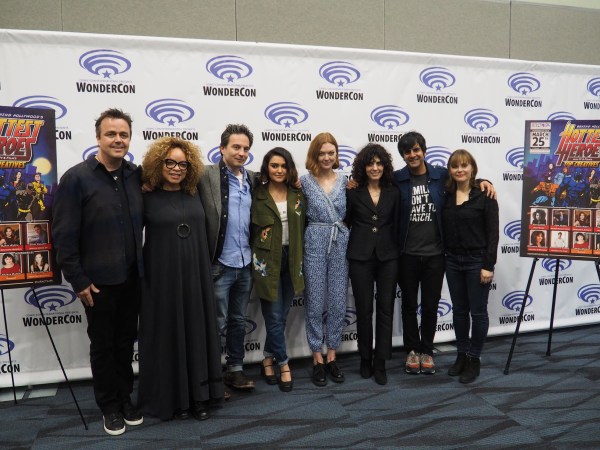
(154, 159)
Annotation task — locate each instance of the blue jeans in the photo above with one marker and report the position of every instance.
(275, 315)
(469, 302)
(232, 292)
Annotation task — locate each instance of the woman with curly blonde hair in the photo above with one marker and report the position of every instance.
(180, 358)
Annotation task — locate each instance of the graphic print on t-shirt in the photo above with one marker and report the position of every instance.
(422, 209)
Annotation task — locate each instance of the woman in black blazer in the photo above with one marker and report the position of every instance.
(373, 214)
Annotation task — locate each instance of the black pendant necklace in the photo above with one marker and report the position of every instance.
(183, 229)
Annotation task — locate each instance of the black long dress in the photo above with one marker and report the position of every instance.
(180, 360)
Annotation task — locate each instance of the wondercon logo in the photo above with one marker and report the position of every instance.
(444, 308)
(42, 102)
(389, 116)
(249, 327)
(437, 78)
(286, 114)
(350, 317)
(169, 111)
(515, 157)
(481, 119)
(339, 73)
(229, 68)
(550, 264)
(93, 150)
(346, 155)
(512, 230)
(437, 156)
(523, 83)
(561, 115)
(593, 87)
(50, 298)
(514, 300)
(589, 293)
(104, 62)
(6, 345)
(214, 156)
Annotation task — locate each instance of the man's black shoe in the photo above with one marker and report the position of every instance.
(131, 415)
(114, 423)
(238, 380)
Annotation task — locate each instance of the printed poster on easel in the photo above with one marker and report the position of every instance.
(561, 189)
(28, 180)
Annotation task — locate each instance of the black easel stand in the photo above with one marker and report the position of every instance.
(12, 377)
(53, 346)
(514, 341)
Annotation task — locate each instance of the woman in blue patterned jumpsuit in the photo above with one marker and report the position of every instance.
(325, 263)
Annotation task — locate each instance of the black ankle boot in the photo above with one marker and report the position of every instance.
(366, 368)
(471, 370)
(379, 371)
(459, 365)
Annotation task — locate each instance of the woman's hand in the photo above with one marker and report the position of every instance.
(486, 276)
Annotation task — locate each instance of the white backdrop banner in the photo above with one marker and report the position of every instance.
(286, 95)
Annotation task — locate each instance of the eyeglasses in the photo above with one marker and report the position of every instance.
(170, 164)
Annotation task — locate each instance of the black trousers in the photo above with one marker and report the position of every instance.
(365, 275)
(112, 329)
(428, 273)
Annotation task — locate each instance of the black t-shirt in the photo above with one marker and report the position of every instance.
(423, 235)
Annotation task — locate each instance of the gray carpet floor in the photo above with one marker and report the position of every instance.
(546, 402)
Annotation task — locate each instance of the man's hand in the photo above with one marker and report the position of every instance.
(486, 185)
(86, 295)
(146, 187)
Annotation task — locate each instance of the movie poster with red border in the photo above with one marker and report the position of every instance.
(28, 181)
(561, 189)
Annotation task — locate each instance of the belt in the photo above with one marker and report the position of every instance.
(335, 228)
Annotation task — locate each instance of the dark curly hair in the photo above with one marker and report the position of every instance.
(292, 172)
(366, 157)
(154, 159)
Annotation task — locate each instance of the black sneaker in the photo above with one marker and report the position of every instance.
(238, 380)
(114, 423)
(131, 415)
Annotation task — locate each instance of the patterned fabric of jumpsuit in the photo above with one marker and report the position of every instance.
(325, 263)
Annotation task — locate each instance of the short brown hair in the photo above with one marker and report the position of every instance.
(458, 157)
(312, 157)
(113, 113)
(154, 160)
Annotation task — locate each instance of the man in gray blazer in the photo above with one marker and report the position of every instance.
(226, 192)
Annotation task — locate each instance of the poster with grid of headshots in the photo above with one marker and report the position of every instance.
(561, 189)
(28, 179)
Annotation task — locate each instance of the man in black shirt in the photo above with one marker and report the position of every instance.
(97, 232)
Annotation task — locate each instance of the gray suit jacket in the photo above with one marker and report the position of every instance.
(209, 188)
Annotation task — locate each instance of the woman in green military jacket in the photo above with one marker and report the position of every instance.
(278, 215)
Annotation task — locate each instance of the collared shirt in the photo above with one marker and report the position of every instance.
(236, 245)
(89, 228)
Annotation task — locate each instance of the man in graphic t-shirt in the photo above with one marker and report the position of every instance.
(421, 263)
